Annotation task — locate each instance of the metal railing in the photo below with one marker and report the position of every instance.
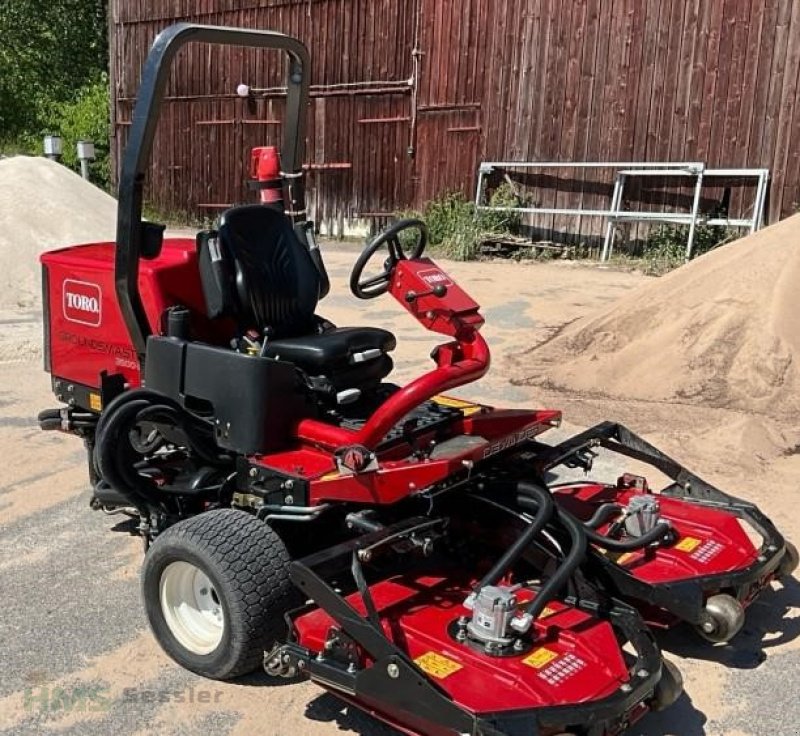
(625, 171)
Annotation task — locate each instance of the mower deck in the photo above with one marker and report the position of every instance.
(394, 644)
(718, 544)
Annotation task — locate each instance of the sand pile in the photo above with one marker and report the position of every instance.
(44, 205)
(723, 331)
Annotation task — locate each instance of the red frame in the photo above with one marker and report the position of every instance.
(459, 362)
(80, 352)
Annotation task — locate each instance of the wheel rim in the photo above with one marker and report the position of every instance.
(723, 618)
(191, 607)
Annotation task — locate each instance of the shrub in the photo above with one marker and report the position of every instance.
(665, 247)
(502, 222)
(86, 117)
(456, 230)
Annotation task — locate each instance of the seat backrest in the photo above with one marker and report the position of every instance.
(260, 273)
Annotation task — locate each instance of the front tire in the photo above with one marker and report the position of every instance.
(216, 588)
(789, 562)
(723, 618)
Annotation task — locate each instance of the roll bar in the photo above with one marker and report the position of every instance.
(137, 239)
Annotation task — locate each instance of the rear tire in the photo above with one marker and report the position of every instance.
(216, 588)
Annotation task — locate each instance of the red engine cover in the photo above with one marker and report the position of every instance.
(86, 333)
(575, 659)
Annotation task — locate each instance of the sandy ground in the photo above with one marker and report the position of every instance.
(76, 656)
(723, 331)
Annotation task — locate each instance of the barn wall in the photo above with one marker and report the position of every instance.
(596, 80)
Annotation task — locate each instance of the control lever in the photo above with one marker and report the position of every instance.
(439, 291)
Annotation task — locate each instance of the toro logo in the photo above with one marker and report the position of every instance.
(434, 277)
(82, 302)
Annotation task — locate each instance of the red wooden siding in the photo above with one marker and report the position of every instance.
(683, 80)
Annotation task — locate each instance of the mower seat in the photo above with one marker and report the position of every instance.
(256, 271)
(333, 349)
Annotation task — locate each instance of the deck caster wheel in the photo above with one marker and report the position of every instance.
(789, 562)
(723, 618)
(216, 588)
(669, 688)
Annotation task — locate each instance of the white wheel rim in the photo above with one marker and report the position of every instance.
(192, 608)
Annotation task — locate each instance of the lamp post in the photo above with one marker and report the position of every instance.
(53, 146)
(86, 155)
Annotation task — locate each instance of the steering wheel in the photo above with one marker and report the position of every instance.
(373, 286)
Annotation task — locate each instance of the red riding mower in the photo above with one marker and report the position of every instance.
(400, 548)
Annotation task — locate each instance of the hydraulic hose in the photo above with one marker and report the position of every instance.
(603, 514)
(113, 456)
(197, 436)
(542, 506)
(571, 562)
(67, 419)
(116, 459)
(628, 545)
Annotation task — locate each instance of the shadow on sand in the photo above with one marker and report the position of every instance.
(769, 623)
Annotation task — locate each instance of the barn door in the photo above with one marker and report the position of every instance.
(448, 146)
(448, 134)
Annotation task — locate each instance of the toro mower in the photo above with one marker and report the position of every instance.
(411, 552)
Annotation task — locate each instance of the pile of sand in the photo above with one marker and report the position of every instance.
(43, 206)
(723, 331)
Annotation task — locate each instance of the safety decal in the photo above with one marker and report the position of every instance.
(95, 402)
(437, 665)
(540, 657)
(562, 669)
(688, 544)
(466, 407)
(707, 551)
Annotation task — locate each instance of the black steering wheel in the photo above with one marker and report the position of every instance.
(373, 286)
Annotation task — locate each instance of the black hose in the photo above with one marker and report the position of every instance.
(112, 455)
(116, 459)
(197, 434)
(603, 514)
(50, 419)
(577, 533)
(543, 512)
(656, 534)
(136, 394)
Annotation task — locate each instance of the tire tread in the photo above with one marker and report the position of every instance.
(258, 589)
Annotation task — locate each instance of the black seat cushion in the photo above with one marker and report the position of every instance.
(331, 350)
(258, 272)
(267, 274)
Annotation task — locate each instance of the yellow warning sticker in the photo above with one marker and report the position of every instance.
(547, 611)
(95, 402)
(467, 407)
(437, 665)
(688, 544)
(540, 657)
